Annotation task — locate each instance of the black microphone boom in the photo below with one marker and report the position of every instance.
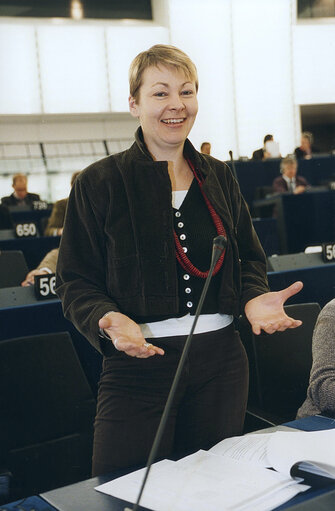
(233, 165)
(219, 244)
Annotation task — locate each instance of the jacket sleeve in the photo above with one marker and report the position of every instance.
(279, 185)
(322, 380)
(49, 260)
(302, 181)
(80, 274)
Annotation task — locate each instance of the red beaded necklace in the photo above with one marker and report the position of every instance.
(182, 258)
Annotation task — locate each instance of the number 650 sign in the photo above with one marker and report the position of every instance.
(45, 286)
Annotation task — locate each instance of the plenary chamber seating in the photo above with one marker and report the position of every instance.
(13, 268)
(46, 414)
(280, 366)
(34, 249)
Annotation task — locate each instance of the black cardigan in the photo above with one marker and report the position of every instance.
(117, 250)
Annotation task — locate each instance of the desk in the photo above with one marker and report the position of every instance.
(319, 283)
(81, 496)
(267, 232)
(26, 215)
(34, 249)
(252, 174)
(304, 219)
(45, 317)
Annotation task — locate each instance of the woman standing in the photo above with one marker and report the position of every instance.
(135, 250)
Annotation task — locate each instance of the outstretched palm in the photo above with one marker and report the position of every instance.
(266, 312)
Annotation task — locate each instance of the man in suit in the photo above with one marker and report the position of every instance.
(289, 182)
(20, 196)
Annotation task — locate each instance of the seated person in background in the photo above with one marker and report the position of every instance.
(5, 218)
(47, 265)
(263, 154)
(56, 220)
(205, 148)
(20, 196)
(321, 390)
(289, 181)
(306, 149)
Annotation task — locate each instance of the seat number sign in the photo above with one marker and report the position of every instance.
(26, 230)
(328, 252)
(45, 286)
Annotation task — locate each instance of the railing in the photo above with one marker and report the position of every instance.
(49, 165)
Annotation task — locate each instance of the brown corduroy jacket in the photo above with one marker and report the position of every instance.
(117, 250)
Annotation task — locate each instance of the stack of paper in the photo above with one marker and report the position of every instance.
(204, 482)
(282, 450)
(233, 475)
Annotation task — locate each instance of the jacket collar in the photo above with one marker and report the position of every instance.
(202, 162)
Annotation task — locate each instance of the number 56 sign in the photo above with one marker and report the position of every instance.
(45, 286)
(328, 252)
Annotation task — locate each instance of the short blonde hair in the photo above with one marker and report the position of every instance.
(160, 54)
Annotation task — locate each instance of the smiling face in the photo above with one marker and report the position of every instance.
(166, 108)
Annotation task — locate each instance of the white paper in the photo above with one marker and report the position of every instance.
(203, 482)
(251, 448)
(232, 475)
(285, 449)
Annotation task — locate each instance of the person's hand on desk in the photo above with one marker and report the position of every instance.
(266, 312)
(299, 189)
(30, 277)
(126, 336)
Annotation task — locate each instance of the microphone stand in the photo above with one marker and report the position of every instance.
(233, 165)
(219, 244)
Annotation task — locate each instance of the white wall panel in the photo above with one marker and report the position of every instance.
(263, 73)
(19, 88)
(123, 44)
(203, 31)
(73, 69)
(314, 68)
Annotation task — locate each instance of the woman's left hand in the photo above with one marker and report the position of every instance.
(266, 312)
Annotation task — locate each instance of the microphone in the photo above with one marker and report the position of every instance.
(219, 245)
(233, 165)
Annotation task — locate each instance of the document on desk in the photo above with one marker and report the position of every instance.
(206, 481)
(311, 451)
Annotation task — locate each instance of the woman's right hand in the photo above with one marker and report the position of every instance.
(126, 336)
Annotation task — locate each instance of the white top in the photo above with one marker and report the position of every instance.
(182, 326)
(178, 197)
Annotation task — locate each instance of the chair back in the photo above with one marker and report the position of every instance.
(280, 365)
(13, 268)
(46, 413)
